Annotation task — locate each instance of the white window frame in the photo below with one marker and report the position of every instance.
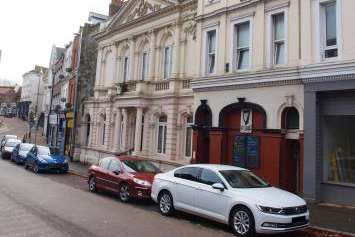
(321, 30)
(234, 36)
(188, 125)
(144, 68)
(125, 69)
(163, 144)
(167, 68)
(205, 49)
(270, 42)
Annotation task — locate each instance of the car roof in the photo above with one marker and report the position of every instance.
(10, 136)
(14, 140)
(215, 167)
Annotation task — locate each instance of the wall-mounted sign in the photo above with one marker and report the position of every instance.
(246, 152)
(246, 121)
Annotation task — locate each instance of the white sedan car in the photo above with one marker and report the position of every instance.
(230, 195)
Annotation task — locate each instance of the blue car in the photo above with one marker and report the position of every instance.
(40, 159)
(19, 153)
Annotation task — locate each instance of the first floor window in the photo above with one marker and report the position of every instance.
(211, 51)
(279, 49)
(188, 137)
(144, 66)
(103, 131)
(242, 45)
(329, 29)
(338, 149)
(162, 130)
(167, 62)
(125, 69)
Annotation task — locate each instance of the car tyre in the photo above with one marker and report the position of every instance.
(166, 203)
(123, 192)
(92, 184)
(25, 165)
(242, 222)
(36, 169)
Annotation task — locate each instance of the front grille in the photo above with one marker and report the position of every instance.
(295, 210)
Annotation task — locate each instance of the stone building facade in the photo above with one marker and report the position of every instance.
(265, 66)
(143, 101)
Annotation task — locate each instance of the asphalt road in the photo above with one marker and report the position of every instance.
(60, 205)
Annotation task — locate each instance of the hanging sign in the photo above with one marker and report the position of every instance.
(246, 121)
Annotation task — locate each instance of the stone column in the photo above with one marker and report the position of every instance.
(125, 129)
(152, 56)
(138, 131)
(176, 52)
(117, 132)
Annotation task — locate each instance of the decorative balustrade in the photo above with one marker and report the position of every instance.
(186, 84)
(162, 86)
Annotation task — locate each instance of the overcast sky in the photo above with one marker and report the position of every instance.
(28, 29)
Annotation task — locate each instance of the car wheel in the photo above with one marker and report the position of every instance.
(242, 222)
(166, 204)
(25, 165)
(92, 184)
(124, 192)
(35, 168)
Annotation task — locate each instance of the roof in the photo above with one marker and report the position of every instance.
(216, 167)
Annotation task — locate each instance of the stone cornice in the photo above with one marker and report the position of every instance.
(278, 77)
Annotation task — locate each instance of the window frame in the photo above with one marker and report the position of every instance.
(163, 143)
(144, 65)
(323, 29)
(270, 47)
(125, 67)
(209, 53)
(188, 125)
(167, 68)
(278, 42)
(234, 60)
(206, 29)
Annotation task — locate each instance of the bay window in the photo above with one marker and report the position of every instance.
(242, 45)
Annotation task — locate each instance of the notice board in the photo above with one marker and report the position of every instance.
(246, 152)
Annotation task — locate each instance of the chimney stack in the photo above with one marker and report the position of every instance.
(115, 6)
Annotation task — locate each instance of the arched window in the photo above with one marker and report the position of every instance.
(87, 135)
(103, 128)
(162, 131)
(144, 60)
(188, 136)
(167, 57)
(290, 118)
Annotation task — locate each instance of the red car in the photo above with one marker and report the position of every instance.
(130, 178)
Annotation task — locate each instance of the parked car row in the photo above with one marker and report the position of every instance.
(35, 157)
(227, 194)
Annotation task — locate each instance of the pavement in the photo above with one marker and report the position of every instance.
(326, 219)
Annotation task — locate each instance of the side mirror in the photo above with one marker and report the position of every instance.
(218, 186)
(117, 172)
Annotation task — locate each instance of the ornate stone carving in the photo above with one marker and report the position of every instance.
(143, 8)
(190, 25)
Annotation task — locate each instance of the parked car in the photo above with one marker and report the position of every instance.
(40, 159)
(130, 178)
(10, 144)
(20, 152)
(4, 139)
(230, 195)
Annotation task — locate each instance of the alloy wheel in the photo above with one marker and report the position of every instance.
(124, 193)
(241, 222)
(165, 203)
(92, 184)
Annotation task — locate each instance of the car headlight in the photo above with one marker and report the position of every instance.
(142, 182)
(271, 210)
(65, 161)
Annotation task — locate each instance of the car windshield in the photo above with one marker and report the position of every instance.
(134, 166)
(12, 143)
(243, 179)
(26, 147)
(42, 150)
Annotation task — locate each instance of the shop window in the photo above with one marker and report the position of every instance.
(290, 118)
(338, 139)
(162, 130)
